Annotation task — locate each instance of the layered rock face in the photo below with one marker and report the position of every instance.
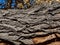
(39, 25)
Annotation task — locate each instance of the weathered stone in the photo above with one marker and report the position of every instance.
(43, 39)
(31, 26)
(55, 43)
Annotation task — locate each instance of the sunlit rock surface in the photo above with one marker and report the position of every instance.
(38, 25)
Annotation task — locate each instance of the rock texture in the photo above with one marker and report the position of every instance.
(35, 26)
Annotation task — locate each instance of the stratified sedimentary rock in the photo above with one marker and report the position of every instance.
(34, 26)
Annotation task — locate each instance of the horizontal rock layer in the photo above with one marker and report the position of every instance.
(26, 27)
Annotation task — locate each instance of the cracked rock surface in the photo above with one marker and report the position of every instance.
(40, 26)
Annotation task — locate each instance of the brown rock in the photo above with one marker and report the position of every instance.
(58, 35)
(3, 44)
(55, 43)
(43, 39)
